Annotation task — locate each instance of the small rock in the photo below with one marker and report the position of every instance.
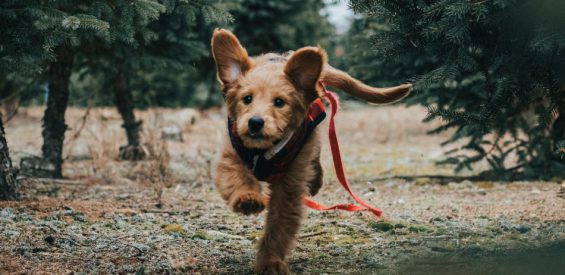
(172, 132)
(451, 184)
(11, 233)
(522, 228)
(141, 217)
(50, 239)
(34, 166)
(335, 250)
(466, 183)
(79, 217)
(7, 214)
(119, 222)
(422, 181)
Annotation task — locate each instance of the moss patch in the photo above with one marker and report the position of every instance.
(419, 229)
(382, 226)
(253, 235)
(174, 228)
(200, 235)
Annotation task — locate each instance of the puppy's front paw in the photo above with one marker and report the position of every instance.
(248, 203)
(272, 266)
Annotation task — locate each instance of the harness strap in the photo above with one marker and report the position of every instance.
(339, 169)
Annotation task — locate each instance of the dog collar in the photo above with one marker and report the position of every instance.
(270, 164)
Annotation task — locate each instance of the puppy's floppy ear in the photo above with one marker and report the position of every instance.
(231, 58)
(304, 68)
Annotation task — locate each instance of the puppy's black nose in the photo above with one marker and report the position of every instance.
(256, 124)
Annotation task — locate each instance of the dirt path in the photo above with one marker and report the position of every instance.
(105, 217)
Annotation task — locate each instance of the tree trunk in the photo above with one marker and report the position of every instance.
(8, 183)
(558, 129)
(558, 133)
(124, 103)
(54, 126)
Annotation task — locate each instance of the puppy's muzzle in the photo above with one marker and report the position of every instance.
(255, 125)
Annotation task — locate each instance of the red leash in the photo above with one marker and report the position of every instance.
(339, 170)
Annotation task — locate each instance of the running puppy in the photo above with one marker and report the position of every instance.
(274, 106)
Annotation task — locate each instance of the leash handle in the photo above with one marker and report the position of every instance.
(339, 168)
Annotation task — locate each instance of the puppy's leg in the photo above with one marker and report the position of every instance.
(237, 184)
(316, 183)
(283, 222)
(286, 211)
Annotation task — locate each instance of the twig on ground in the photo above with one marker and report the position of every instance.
(441, 178)
(312, 234)
(50, 180)
(170, 212)
(71, 241)
(50, 227)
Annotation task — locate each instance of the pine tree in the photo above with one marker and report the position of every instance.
(8, 183)
(33, 34)
(153, 39)
(491, 70)
(165, 41)
(40, 40)
(113, 41)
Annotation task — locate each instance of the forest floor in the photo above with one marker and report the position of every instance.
(163, 215)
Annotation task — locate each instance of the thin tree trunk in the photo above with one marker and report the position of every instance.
(558, 131)
(124, 103)
(54, 126)
(8, 183)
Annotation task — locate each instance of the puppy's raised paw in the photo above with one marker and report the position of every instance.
(248, 203)
(272, 267)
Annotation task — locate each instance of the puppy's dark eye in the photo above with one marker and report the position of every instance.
(279, 102)
(247, 100)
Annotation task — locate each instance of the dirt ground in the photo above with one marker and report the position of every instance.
(163, 215)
